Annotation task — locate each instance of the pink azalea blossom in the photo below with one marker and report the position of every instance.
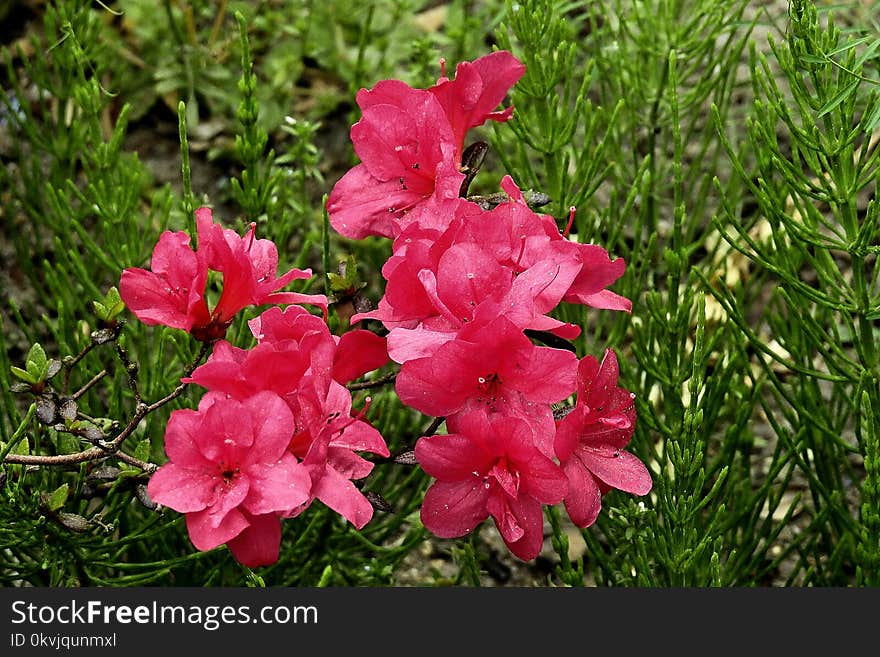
(173, 293)
(590, 441)
(489, 468)
(494, 369)
(326, 440)
(407, 156)
(437, 282)
(230, 472)
(470, 99)
(350, 355)
(298, 359)
(535, 237)
(410, 144)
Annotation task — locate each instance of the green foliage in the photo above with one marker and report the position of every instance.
(727, 153)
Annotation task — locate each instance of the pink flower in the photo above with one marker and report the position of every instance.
(407, 156)
(173, 293)
(489, 468)
(492, 368)
(299, 360)
(590, 440)
(437, 282)
(326, 440)
(410, 144)
(536, 237)
(469, 100)
(350, 355)
(230, 472)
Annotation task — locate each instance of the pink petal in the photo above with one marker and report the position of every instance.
(180, 446)
(567, 433)
(291, 323)
(453, 457)
(499, 506)
(618, 469)
(529, 517)
(227, 432)
(230, 494)
(205, 534)
(420, 342)
(357, 353)
(362, 437)
(467, 275)
(319, 300)
(182, 489)
(347, 463)
(584, 499)
(342, 496)
(154, 299)
(540, 288)
(259, 543)
(542, 479)
(223, 371)
(273, 426)
(453, 509)
(478, 88)
(551, 375)
(277, 486)
(358, 205)
(438, 385)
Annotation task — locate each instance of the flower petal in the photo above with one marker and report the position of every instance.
(357, 353)
(259, 543)
(584, 499)
(182, 489)
(277, 486)
(342, 496)
(206, 534)
(618, 469)
(453, 509)
(453, 457)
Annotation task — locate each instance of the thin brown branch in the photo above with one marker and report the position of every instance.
(112, 448)
(141, 465)
(375, 383)
(79, 393)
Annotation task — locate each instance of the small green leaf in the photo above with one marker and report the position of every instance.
(67, 443)
(22, 448)
(326, 576)
(143, 449)
(337, 282)
(24, 376)
(37, 364)
(57, 498)
(838, 98)
(108, 308)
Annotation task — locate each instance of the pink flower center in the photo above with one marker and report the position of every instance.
(228, 472)
(488, 388)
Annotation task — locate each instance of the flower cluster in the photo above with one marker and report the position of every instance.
(275, 430)
(466, 290)
(463, 286)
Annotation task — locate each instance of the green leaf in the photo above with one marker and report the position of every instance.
(37, 364)
(143, 449)
(57, 498)
(24, 376)
(326, 576)
(108, 308)
(22, 448)
(67, 443)
(838, 98)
